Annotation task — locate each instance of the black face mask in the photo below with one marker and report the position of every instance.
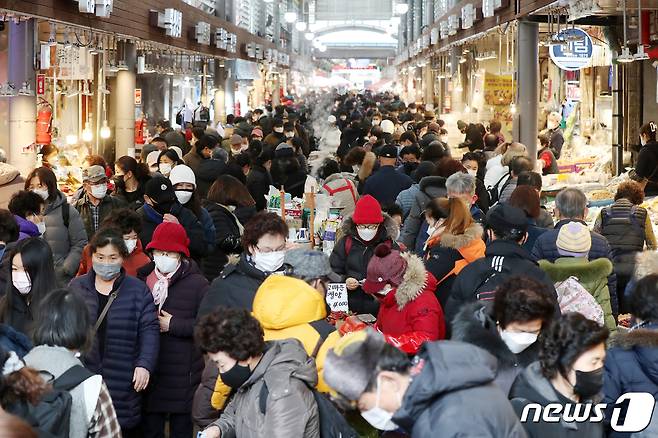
(588, 383)
(163, 207)
(120, 182)
(236, 376)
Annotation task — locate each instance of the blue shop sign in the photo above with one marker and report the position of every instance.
(575, 53)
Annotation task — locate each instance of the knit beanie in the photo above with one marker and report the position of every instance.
(387, 126)
(367, 211)
(574, 240)
(182, 174)
(386, 266)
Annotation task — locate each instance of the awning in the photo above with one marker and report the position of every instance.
(246, 70)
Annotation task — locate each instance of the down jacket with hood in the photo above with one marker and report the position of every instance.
(592, 275)
(410, 315)
(631, 365)
(452, 394)
(341, 187)
(532, 387)
(67, 244)
(430, 187)
(290, 409)
(476, 325)
(449, 254)
(354, 263)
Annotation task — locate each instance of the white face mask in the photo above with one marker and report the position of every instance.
(290, 134)
(41, 226)
(376, 122)
(517, 342)
(443, 139)
(366, 234)
(183, 196)
(378, 417)
(386, 290)
(642, 141)
(41, 192)
(131, 244)
(165, 168)
(279, 130)
(268, 262)
(472, 172)
(99, 191)
(166, 264)
(551, 125)
(21, 281)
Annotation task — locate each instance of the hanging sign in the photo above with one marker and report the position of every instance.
(576, 51)
(138, 96)
(337, 297)
(41, 84)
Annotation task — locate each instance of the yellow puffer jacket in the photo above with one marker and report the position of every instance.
(290, 308)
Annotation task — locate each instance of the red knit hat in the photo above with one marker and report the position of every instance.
(367, 211)
(169, 236)
(386, 266)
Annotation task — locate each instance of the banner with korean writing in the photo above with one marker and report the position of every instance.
(499, 93)
(337, 297)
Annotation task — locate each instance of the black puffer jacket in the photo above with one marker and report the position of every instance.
(475, 324)
(430, 187)
(351, 260)
(451, 377)
(259, 181)
(207, 173)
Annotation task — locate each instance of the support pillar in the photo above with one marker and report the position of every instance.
(219, 104)
(22, 109)
(528, 82)
(124, 108)
(428, 85)
(229, 89)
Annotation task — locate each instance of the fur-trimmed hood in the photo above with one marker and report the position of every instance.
(640, 338)
(391, 228)
(640, 344)
(475, 231)
(415, 280)
(367, 166)
(646, 263)
(586, 271)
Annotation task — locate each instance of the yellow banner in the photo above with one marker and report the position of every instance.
(498, 90)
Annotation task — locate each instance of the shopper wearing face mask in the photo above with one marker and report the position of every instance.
(363, 231)
(96, 203)
(167, 160)
(27, 208)
(646, 165)
(178, 287)
(130, 178)
(555, 133)
(509, 327)
(446, 391)
(409, 313)
(277, 136)
(271, 380)
(569, 371)
(32, 277)
(127, 333)
(127, 223)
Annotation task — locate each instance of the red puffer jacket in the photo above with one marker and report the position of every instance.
(410, 314)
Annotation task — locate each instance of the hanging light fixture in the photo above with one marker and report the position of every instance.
(71, 139)
(300, 26)
(87, 134)
(290, 16)
(105, 130)
(52, 38)
(401, 8)
(322, 48)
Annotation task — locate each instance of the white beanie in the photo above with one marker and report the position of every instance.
(182, 174)
(387, 126)
(331, 119)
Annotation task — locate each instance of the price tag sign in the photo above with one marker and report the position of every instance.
(337, 297)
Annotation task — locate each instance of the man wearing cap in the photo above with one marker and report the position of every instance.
(432, 134)
(387, 183)
(507, 228)
(236, 145)
(96, 203)
(257, 134)
(274, 138)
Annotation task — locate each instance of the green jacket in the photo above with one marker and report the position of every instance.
(593, 275)
(108, 204)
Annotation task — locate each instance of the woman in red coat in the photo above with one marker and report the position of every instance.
(409, 313)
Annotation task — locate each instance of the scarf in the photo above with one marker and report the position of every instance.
(159, 284)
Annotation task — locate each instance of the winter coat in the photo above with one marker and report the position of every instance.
(556, 142)
(179, 366)
(428, 138)
(406, 198)
(132, 339)
(476, 324)
(193, 227)
(452, 394)
(26, 228)
(534, 232)
(502, 259)
(13, 340)
(207, 173)
(592, 275)
(549, 161)
(546, 249)
(631, 365)
(273, 139)
(67, 244)
(21, 315)
(354, 263)
(450, 254)
(330, 139)
(495, 171)
(545, 219)
(209, 232)
(410, 315)
(430, 187)
(290, 408)
(259, 181)
(342, 189)
(287, 307)
(135, 199)
(131, 264)
(235, 287)
(107, 204)
(193, 160)
(386, 184)
(532, 387)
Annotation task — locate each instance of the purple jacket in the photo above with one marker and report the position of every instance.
(26, 228)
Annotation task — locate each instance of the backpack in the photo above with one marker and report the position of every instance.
(204, 114)
(332, 423)
(52, 415)
(573, 297)
(496, 190)
(179, 117)
(66, 214)
(491, 279)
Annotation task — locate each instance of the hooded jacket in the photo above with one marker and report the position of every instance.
(592, 275)
(532, 387)
(131, 264)
(66, 243)
(410, 314)
(26, 228)
(354, 263)
(290, 410)
(631, 365)
(447, 256)
(449, 378)
(341, 187)
(476, 325)
(430, 187)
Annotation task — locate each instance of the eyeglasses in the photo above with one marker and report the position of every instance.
(368, 226)
(269, 250)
